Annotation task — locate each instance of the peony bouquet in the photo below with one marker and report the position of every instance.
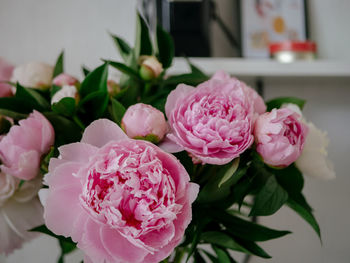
(146, 167)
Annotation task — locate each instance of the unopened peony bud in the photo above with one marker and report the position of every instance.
(6, 70)
(150, 67)
(65, 80)
(64, 92)
(142, 121)
(33, 75)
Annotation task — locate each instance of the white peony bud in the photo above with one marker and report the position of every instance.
(33, 75)
(65, 91)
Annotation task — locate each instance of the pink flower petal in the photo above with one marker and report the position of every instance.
(178, 94)
(77, 152)
(102, 131)
(119, 247)
(170, 146)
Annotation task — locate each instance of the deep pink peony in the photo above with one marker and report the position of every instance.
(121, 200)
(144, 121)
(5, 75)
(23, 146)
(280, 136)
(213, 122)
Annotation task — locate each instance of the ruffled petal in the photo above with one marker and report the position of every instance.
(176, 95)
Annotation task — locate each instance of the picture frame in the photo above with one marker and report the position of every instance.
(266, 21)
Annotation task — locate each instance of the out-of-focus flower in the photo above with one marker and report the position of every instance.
(142, 121)
(121, 200)
(150, 67)
(65, 80)
(64, 92)
(6, 70)
(280, 136)
(20, 211)
(33, 75)
(22, 148)
(213, 122)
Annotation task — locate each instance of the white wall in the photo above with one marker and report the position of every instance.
(39, 29)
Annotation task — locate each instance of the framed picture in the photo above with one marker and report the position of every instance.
(266, 21)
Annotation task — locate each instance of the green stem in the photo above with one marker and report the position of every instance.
(179, 254)
(78, 122)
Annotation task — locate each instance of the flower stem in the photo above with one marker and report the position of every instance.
(78, 122)
(179, 254)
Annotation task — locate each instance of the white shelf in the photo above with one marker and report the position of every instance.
(265, 68)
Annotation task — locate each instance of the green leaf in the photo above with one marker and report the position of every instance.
(125, 69)
(143, 44)
(123, 47)
(12, 114)
(222, 255)
(66, 106)
(226, 241)
(291, 179)
(165, 46)
(95, 81)
(269, 199)
(33, 98)
(188, 78)
(278, 102)
(212, 192)
(85, 70)
(245, 229)
(59, 66)
(66, 131)
(306, 214)
(117, 111)
(94, 105)
(230, 172)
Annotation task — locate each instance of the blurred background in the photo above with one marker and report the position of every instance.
(37, 30)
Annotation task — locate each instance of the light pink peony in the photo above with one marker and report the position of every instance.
(20, 211)
(65, 80)
(23, 146)
(213, 122)
(5, 75)
(280, 136)
(121, 200)
(142, 120)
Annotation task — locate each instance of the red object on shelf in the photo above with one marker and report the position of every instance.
(294, 46)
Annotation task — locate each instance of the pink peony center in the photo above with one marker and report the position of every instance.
(292, 130)
(129, 189)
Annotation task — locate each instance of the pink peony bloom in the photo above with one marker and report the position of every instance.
(23, 146)
(20, 210)
(280, 136)
(121, 200)
(141, 121)
(213, 121)
(65, 80)
(5, 75)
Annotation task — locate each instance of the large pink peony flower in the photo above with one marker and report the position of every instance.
(23, 146)
(280, 136)
(5, 75)
(20, 211)
(213, 121)
(121, 200)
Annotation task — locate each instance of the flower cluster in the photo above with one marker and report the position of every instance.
(143, 166)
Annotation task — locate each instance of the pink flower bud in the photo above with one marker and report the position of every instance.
(5, 75)
(280, 136)
(142, 121)
(65, 80)
(150, 67)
